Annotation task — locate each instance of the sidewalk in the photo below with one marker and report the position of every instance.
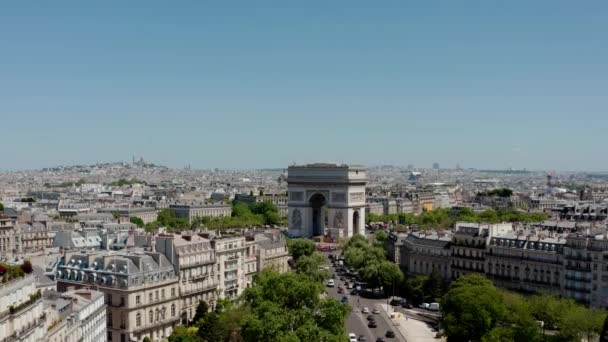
(411, 329)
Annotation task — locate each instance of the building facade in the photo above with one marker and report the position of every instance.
(74, 316)
(141, 290)
(9, 235)
(272, 252)
(21, 311)
(231, 275)
(573, 265)
(422, 252)
(191, 212)
(195, 263)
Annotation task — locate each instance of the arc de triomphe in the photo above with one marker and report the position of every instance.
(326, 196)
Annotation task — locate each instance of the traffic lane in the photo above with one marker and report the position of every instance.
(384, 322)
(357, 321)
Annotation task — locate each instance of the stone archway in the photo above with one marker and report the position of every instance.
(317, 203)
(356, 222)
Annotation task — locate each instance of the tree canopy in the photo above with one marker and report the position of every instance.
(137, 221)
(300, 247)
(279, 307)
(445, 218)
(289, 307)
(473, 309)
(369, 260)
(259, 214)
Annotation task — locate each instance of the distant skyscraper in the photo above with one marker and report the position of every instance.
(436, 166)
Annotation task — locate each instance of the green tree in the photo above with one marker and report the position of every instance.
(300, 247)
(471, 308)
(604, 332)
(183, 334)
(414, 289)
(209, 329)
(581, 323)
(432, 286)
(116, 215)
(241, 209)
(1, 207)
(289, 307)
(310, 265)
(380, 239)
(201, 310)
(549, 309)
(268, 210)
(137, 221)
(519, 318)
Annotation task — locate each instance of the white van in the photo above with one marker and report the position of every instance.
(434, 307)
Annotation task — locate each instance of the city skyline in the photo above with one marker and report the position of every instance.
(265, 85)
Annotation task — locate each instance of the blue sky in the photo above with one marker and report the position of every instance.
(250, 84)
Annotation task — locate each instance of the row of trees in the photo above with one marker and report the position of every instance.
(288, 307)
(424, 289)
(167, 218)
(473, 309)
(243, 215)
(307, 260)
(445, 218)
(368, 258)
(258, 214)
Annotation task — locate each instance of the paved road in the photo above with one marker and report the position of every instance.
(357, 321)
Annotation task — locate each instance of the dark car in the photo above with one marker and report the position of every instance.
(395, 302)
(342, 278)
(340, 290)
(353, 292)
(372, 324)
(371, 318)
(344, 299)
(390, 334)
(380, 339)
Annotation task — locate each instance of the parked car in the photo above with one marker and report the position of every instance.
(380, 339)
(340, 290)
(390, 334)
(375, 311)
(353, 292)
(344, 299)
(365, 310)
(434, 306)
(330, 283)
(362, 338)
(352, 337)
(395, 302)
(424, 306)
(371, 318)
(372, 324)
